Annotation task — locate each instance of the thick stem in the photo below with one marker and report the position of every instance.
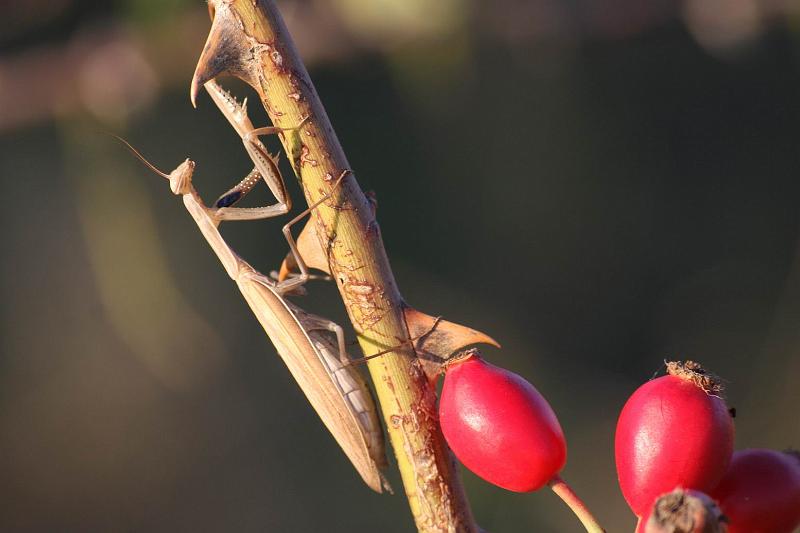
(572, 500)
(249, 39)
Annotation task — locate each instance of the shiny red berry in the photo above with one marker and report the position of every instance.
(674, 431)
(760, 493)
(499, 426)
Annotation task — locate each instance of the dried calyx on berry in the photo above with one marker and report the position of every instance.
(685, 511)
(694, 372)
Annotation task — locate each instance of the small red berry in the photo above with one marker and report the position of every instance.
(760, 493)
(499, 426)
(674, 431)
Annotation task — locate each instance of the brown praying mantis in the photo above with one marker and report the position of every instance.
(335, 388)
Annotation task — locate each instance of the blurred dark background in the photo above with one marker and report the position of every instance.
(599, 185)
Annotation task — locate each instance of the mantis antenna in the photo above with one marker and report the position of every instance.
(139, 155)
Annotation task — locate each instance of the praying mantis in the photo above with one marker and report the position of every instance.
(335, 389)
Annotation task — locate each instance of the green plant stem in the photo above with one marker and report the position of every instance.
(249, 39)
(572, 500)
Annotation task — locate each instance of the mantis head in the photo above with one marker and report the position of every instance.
(180, 179)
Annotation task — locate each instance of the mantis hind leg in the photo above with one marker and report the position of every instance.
(293, 250)
(314, 322)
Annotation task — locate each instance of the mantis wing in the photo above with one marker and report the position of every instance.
(295, 347)
(308, 369)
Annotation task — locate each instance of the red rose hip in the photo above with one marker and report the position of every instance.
(499, 426)
(674, 431)
(760, 492)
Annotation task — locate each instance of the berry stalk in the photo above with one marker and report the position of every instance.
(565, 492)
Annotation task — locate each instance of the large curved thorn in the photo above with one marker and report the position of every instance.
(441, 338)
(226, 51)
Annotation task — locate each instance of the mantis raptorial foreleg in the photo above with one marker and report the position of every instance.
(266, 165)
(226, 211)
